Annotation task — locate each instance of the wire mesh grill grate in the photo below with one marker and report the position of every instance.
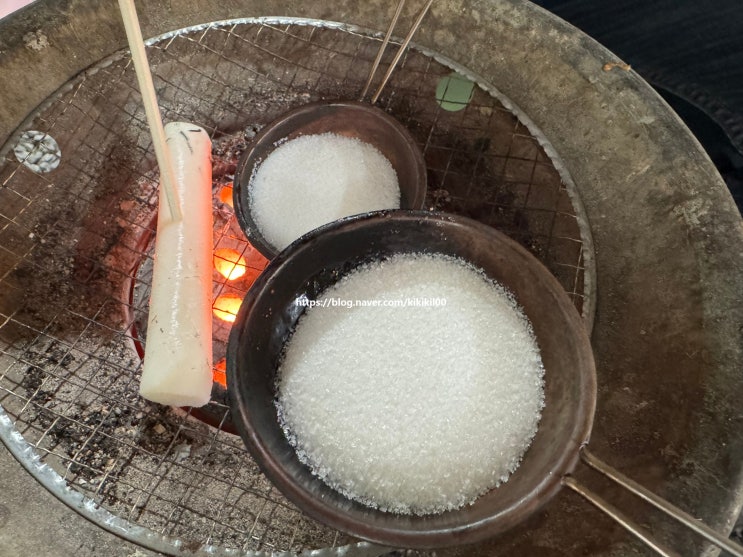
(76, 243)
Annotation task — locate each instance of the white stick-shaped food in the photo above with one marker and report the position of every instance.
(178, 354)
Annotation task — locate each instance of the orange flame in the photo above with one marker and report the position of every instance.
(220, 372)
(226, 307)
(229, 263)
(225, 194)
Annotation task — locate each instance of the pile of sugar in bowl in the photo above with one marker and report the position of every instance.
(316, 179)
(416, 389)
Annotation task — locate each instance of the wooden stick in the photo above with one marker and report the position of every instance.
(152, 110)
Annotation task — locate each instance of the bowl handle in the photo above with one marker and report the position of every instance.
(658, 502)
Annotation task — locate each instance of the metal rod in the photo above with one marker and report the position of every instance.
(610, 510)
(658, 502)
(151, 108)
(382, 48)
(400, 51)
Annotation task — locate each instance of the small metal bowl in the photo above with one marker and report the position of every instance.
(316, 261)
(346, 118)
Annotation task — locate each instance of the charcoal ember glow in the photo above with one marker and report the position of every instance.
(225, 194)
(226, 307)
(229, 263)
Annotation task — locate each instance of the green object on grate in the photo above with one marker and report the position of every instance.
(454, 92)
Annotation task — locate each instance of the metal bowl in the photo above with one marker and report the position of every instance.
(316, 261)
(347, 118)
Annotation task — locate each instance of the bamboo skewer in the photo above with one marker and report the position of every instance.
(382, 48)
(151, 108)
(401, 50)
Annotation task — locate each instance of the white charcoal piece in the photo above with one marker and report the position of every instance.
(178, 354)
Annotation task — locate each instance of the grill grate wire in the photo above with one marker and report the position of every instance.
(76, 255)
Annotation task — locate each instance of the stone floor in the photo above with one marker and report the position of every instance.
(34, 522)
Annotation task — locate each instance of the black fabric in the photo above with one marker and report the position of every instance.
(691, 51)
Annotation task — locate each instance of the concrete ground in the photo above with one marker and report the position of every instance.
(34, 522)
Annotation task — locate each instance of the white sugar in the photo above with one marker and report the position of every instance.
(315, 179)
(412, 409)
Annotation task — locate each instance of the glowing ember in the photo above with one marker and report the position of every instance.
(220, 372)
(225, 195)
(226, 307)
(229, 263)
(254, 259)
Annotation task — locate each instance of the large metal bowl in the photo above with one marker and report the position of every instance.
(352, 119)
(316, 261)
